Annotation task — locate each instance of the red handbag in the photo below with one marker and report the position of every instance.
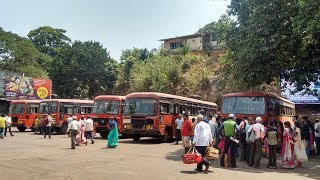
(192, 157)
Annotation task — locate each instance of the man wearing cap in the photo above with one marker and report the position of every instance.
(69, 120)
(88, 126)
(202, 139)
(73, 130)
(230, 127)
(255, 156)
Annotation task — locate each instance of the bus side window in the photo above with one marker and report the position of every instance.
(28, 109)
(189, 110)
(171, 108)
(164, 108)
(271, 106)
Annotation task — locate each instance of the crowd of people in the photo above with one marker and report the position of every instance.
(81, 131)
(250, 140)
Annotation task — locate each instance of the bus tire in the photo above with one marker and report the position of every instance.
(64, 128)
(33, 128)
(165, 137)
(104, 135)
(136, 138)
(21, 128)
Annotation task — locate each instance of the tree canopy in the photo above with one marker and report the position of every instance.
(274, 38)
(83, 70)
(48, 39)
(18, 54)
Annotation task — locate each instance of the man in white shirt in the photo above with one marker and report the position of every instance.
(317, 134)
(48, 125)
(259, 131)
(202, 139)
(8, 125)
(88, 126)
(69, 120)
(73, 130)
(179, 123)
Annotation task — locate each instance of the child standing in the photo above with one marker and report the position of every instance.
(272, 134)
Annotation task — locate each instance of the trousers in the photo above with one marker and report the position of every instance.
(202, 151)
(233, 150)
(73, 134)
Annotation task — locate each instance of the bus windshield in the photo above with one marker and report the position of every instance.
(106, 107)
(48, 107)
(17, 108)
(144, 106)
(244, 105)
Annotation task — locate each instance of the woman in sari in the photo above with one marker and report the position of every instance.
(80, 139)
(299, 145)
(287, 152)
(113, 134)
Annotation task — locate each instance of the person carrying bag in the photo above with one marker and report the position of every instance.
(192, 157)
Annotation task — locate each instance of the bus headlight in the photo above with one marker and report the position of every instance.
(126, 121)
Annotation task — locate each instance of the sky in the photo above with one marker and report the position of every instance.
(117, 24)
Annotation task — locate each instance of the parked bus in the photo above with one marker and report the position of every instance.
(60, 108)
(23, 113)
(153, 114)
(252, 104)
(104, 108)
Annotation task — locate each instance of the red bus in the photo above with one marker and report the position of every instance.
(60, 108)
(252, 104)
(153, 114)
(23, 113)
(104, 108)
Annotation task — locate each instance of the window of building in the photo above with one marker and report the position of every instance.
(173, 45)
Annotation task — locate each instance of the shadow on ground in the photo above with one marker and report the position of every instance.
(175, 155)
(147, 141)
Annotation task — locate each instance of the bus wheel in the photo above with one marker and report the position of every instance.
(21, 128)
(104, 135)
(136, 138)
(64, 128)
(165, 137)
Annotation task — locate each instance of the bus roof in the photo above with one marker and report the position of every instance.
(169, 96)
(251, 94)
(69, 100)
(109, 97)
(26, 101)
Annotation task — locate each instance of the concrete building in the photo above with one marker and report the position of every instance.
(198, 44)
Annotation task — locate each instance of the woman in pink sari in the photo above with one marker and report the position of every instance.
(287, 152)
(80, 138)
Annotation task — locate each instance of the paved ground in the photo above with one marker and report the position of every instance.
(29, 156)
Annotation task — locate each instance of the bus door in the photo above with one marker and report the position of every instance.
(65, 109)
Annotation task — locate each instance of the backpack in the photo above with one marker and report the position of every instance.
(241, 134)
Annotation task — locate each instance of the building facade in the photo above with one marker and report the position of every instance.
(197, 43)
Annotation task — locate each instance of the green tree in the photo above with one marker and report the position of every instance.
(128, 58)
(83, 70)
(161, 74)
(48, 39)
(274, 37)
(220, 28)
(18, 54)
